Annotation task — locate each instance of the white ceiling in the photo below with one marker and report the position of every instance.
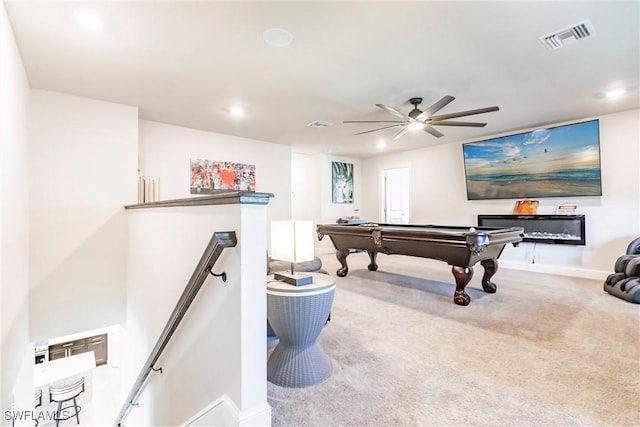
(185, 63)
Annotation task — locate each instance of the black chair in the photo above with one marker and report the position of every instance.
(65, 394)
(634, 247)
(37, 402)
(624, 283)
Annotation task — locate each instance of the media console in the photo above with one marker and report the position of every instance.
(552, 229)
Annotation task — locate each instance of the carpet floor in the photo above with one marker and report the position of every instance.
(545, 350)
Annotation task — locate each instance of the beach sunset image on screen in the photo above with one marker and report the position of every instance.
(562, 161)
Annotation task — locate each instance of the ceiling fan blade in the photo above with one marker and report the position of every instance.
(373, 121)
(402, 132)
(373, 130)
(463, 113)
(392, 110)
(468, 124)
(432, 131)
(436, 107)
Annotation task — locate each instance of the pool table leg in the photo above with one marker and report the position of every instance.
(463, 276)
(490, 268)
(372, 256)
(342, 254)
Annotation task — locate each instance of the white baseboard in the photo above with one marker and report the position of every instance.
(555, 269)
(224, 412)
(259, 415)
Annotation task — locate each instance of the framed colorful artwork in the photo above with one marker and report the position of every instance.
(216, 176)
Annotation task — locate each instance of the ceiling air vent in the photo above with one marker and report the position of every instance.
(568, 35)
(319, 124)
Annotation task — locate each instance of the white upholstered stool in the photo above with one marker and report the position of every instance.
(64, 394)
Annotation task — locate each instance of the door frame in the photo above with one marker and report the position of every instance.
(383, 193)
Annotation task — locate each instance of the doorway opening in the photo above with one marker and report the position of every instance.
(394, 207)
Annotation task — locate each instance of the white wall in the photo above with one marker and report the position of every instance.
(83, 170)
(306, 188)
(311, 178)
(438, 196)
(14, 274)
(218, 353)
(166, 152)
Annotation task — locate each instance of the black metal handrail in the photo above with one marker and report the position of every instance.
(219, 241)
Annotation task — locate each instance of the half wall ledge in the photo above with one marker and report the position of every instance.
(222, 198)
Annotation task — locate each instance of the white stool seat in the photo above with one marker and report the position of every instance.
(64, 394)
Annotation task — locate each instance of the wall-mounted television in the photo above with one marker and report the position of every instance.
(562, 161)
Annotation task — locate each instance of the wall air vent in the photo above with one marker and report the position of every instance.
(567, 36)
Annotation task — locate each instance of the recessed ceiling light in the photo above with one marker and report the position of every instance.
(277, 37)
(615, 93)
(381, 144)
(236, 111)
(88, 20)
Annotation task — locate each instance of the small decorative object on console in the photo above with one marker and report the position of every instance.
(525, 207)
(566, 209)
(148, 189)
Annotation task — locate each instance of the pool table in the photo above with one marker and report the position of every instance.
(460, 247)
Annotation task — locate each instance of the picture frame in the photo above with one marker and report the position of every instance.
(209, 177)
(561, 161)
(342, 182)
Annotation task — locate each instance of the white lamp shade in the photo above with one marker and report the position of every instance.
(292, 241)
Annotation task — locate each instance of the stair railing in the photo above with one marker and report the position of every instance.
(219, 241)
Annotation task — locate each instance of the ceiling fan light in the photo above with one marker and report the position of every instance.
(417, 119)
(415, 125)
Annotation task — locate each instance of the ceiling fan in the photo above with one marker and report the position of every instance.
(425, 120)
